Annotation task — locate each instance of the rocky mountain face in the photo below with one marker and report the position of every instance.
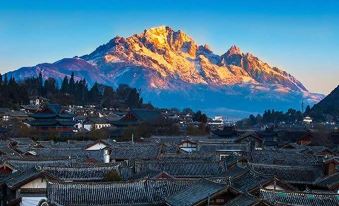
(172, 70)
(329, 106)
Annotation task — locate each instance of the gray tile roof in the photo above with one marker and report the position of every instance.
(73, 153)
(331, 181)
(29, 163)
(243, 200)
(212, 148)
(129, 151)
(186, 168)
(145, 192)
(249, 181)
(292, 174)
(195, 193)
(300, 198)
(85, 172)
(19, 178)
(283, 157)
(235, 171)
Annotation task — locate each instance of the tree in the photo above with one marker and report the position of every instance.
(6, 79)
(65, 85)
(187, 111)
(71, 84)
(41, 85)
(307, 110)
(108, 97)
(112, 176)
(94, 94)
(200, 117)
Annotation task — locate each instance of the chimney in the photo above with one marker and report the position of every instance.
(330, 167)
(106, 155)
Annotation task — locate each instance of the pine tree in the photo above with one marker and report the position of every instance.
(6, 80)
(72, 84)
(94, 94)
(307, 110)
(41, 85)
(65, 85)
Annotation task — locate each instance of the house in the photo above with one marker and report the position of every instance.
(95, 123)
(256, 142)
(81, 172)
(141, 192)
(227, 132)
(203, 192)
(138, 116)
(307, 120)
(250, 181)
(26, 187)
(4, 114)
(216, 123)
(181, 168)
(97, 145)
(188, 146)
(306, 139)
(247, 200)
(330, 182)
(38, 101)
(52, 117)
(127, 151)
(299, 198)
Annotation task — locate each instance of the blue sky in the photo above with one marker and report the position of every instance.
(301, 37)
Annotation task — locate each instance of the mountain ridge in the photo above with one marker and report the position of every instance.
(166, 63)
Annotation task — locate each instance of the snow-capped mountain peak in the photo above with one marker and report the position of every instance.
(163, 61)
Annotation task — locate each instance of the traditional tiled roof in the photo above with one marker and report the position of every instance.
(196, 193)
(146, 115)
(226, 132)
(283, 157)
(169, 148)
(187, 168)
(128, 151)
(300, 198)
(189, 156)
(145, 192)
(29, 163)
(23, 141)
(244, 200)
(97, 120)
(68, 144)
(316, 149)
(292, 174)
(245, 135)
(249, 181)
(176, 139)
(330, 182)
(6, 150)
(52, 111)
(212, 148)
(73, 153)
(236, 171)
(51, 122)
(88, 172)
(20, 178)
(137, 116)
